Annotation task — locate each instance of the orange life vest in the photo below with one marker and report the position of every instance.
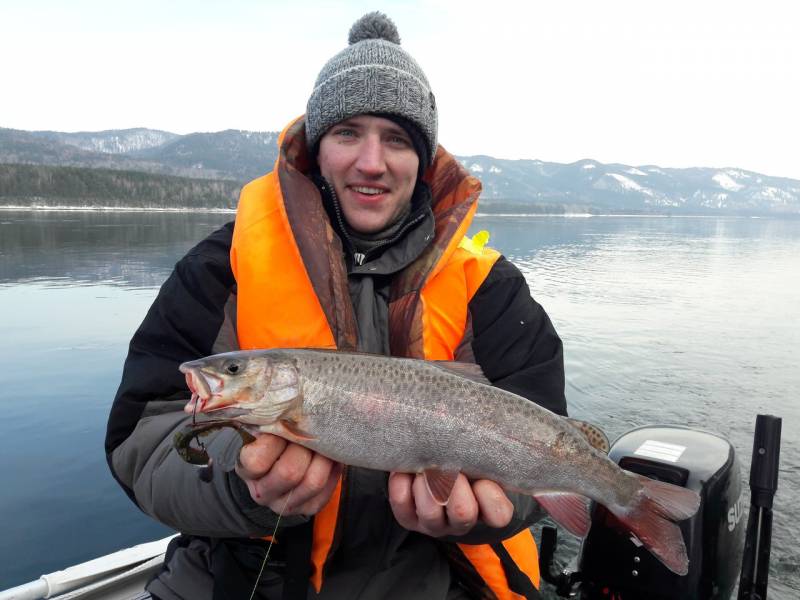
(292, 292)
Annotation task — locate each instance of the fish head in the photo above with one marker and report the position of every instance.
(243, 383)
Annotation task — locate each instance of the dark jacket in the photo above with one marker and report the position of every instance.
(194, 315)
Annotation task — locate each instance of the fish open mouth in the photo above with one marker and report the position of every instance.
(203, 386)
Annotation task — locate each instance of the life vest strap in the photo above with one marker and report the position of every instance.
(518, 582)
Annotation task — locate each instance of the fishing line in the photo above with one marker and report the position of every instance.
(195, 398)
(200, 442)
(271, 541)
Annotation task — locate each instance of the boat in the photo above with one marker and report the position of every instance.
(612, 564)
(120, 575)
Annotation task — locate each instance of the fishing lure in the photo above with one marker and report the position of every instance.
(197, 454)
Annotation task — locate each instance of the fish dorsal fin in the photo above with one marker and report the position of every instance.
(467, 370)
(440, 483)
(594, 435)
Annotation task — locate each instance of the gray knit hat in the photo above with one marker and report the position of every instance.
(373, 75)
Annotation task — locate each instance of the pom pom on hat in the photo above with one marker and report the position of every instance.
(374, 26)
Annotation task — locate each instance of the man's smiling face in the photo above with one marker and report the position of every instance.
(372, 165)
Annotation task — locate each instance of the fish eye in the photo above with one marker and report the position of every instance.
(232, 367)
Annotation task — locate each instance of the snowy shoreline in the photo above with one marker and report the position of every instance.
(116, 209)
(135, 209)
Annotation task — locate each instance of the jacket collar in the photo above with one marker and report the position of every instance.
(454, 192)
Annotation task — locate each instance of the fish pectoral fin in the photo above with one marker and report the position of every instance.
(440, 483)
(593, 434)
(571, 511)
(289, 426)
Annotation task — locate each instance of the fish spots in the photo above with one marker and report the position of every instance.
(562, 445)
(596, 438)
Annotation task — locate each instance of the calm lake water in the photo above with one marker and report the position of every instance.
(664, 320)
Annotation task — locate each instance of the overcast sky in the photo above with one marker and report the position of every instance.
(673, 83)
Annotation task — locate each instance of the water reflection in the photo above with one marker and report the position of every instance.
(73, 288)
(128, 249)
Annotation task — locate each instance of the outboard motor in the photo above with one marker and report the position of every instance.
(614, 565)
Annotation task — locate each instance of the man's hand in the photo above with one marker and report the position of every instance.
(272, 467)
(416, 510)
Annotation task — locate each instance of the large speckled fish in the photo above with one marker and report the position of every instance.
(436, 418)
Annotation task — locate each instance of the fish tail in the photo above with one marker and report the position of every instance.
(652, 519)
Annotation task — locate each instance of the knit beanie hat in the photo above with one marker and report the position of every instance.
(373, 75)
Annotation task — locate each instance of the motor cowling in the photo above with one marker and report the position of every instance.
(614, 565)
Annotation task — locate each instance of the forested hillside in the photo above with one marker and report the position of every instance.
(43, 186)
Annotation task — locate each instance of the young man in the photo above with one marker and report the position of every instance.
(356, 240)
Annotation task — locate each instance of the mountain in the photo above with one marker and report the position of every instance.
(598, 187)
(115, 141)
(74, 150)
(516, 186)
(231, 154)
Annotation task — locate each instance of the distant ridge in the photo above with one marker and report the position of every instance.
(516, 186)
(114, 141)
(43, 186)
(599, 187)
(233, 154)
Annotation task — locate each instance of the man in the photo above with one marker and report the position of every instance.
(357, 241)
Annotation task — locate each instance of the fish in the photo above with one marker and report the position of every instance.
(437, 418)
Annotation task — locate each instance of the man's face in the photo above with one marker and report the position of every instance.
(371, 163)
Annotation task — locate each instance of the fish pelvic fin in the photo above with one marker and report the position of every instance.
(652, 519)
(593, 434)
(440, 483)
(571, 511)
